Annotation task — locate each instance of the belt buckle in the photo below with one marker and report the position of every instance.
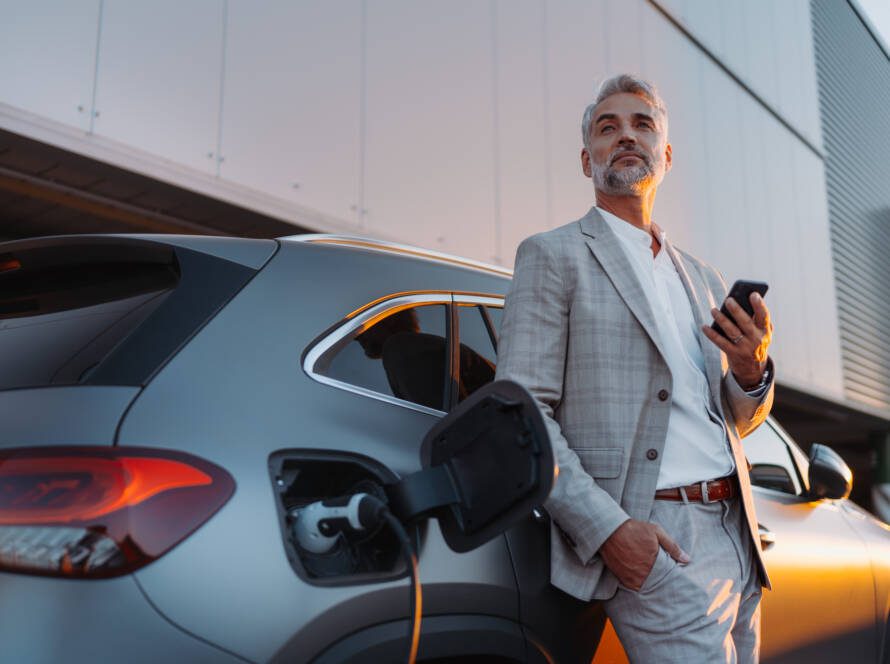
(705, 498)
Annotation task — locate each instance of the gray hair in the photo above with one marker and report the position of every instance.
(618, 84)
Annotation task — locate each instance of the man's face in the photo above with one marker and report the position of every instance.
(629, 153)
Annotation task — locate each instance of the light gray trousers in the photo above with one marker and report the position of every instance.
(704, 612)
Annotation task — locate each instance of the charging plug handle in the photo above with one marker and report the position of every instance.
(318, 525)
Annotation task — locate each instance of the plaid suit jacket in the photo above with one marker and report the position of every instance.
(579, 334)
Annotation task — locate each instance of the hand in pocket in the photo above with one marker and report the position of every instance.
(631, 551)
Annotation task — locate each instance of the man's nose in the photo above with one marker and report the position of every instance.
(627, 138)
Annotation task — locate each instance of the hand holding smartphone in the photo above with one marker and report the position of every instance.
(741, 292)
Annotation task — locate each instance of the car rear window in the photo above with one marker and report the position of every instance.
(103, 310)
(403, 354)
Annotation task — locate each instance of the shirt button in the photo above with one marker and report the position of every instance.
(652, 455)
(663, 395)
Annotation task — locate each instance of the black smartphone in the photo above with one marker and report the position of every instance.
(740, 292)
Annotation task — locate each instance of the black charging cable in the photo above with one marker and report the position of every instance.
(416, 608)
(318, 527)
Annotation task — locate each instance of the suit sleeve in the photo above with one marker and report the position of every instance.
(749, 409)
(532, 350)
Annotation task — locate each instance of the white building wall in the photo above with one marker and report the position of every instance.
(48, 58)
(766, 44)
(454, 126)
(429, 168)
(158, 78)
(292, 103)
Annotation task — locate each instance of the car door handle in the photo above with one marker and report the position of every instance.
(767, 537)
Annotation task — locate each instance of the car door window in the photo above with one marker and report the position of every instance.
(403, 353)
(772, 466)
(477, 350)
(494, 316)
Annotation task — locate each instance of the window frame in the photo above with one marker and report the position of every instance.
(798, 458)
(798, 461)
(378, 309)
(477, 301)
(381, 307)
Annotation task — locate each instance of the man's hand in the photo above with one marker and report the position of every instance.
(749, 339)
(630, 551)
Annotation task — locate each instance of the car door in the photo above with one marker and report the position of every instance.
(822, 603)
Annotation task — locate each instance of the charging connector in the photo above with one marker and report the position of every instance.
(320, 525)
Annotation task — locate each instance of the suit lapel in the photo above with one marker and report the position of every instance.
(606, 249)
(701, 299)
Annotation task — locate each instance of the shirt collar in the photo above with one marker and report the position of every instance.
(630, 233)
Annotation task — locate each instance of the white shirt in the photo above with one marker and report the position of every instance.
(697, 446)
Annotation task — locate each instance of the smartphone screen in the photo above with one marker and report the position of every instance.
(741, 291)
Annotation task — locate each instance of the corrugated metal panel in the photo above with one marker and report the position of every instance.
(854, 97)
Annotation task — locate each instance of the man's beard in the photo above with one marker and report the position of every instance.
(624, 181)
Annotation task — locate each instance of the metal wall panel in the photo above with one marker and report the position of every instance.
(787, 299)
(816, 281)
(624, 50)
(47, 58)
(805, 77)
(523, 186)
(291, 110)
(854, 95)
(576, 61)
(736, 47)
(761, 31)
(158, 78)
(759, 41)
(786, 60)
(429, 167)
(683, 205)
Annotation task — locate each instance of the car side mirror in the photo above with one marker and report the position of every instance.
(487, 464)
(830, 476)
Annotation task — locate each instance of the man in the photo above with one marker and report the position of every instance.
(608, 325)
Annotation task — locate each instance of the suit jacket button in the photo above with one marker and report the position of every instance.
(652, 455)
(663, 395)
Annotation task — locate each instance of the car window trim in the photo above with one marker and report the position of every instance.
(452, 340)
(794, 452)
(490, 300)
(477, 302)
(483, 302)
(489, 325)
(359, 318)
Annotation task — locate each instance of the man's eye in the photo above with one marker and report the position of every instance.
(646, 125)
(606, 128)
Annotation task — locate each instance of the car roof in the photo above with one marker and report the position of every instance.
(250, 252)
(395, 248)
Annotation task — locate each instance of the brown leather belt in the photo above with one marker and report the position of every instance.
(703, 492)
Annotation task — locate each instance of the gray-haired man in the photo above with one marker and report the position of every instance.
(607, 324)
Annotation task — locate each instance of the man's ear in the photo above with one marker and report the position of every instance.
(668, 156)
(585, 163)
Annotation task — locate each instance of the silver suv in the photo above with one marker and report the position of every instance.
(172, 407)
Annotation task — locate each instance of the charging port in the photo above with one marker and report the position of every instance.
(302, 478)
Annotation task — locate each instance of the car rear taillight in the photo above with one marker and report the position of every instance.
(101, 511)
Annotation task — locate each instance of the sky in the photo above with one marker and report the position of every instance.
(878, 12)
